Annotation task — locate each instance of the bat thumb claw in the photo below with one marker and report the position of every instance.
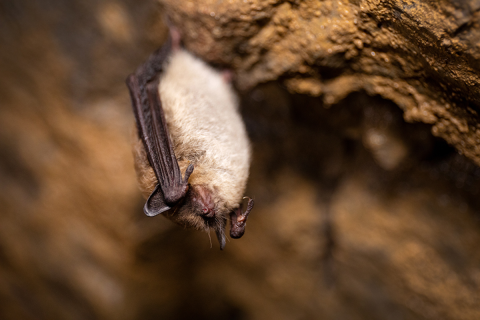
(188, 172)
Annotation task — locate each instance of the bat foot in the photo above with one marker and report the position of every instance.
(176, 38)
(238, 220)
(227, 75)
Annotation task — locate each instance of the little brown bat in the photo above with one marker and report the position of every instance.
(187, 121)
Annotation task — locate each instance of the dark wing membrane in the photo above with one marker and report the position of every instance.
(144, 122)
(153, 131)
(169, 176)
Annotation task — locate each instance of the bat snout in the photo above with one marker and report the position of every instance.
(207, 208)
(203, 201)
(208, 211)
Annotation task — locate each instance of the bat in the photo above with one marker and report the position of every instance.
(187, 121)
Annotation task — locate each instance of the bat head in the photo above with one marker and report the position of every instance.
(202, 210)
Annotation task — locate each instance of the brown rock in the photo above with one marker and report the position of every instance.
(423, 56)
(358, 215)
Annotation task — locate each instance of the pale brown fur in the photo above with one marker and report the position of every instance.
(145, 175)
(201, 112)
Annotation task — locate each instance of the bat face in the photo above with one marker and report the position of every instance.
(199, 211)
(187, 117)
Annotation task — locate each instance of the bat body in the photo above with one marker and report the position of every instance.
(188, 122)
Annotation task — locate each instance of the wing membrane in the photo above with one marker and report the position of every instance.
(153, 130)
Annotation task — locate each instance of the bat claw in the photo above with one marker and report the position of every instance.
(238, 219)
(188, 172)
(227, 75)
(176, 37)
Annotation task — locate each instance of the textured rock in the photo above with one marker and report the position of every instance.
(358, 215)
(422, 55)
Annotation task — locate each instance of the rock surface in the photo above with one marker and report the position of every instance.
(422, 55)
(358, 215)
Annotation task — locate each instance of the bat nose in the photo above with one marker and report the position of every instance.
(207, 207)
(203, 199)
(209, 213)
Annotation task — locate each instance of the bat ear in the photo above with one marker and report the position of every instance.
(155, 203)
(239, 220)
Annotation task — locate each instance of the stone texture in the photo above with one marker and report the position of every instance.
(358, 215)
(422, 55)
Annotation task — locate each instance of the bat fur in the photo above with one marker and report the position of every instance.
(201, 112)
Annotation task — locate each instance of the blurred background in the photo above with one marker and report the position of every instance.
(358, 214)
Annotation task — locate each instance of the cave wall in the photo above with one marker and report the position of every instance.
(422, 55)
(359, 214)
